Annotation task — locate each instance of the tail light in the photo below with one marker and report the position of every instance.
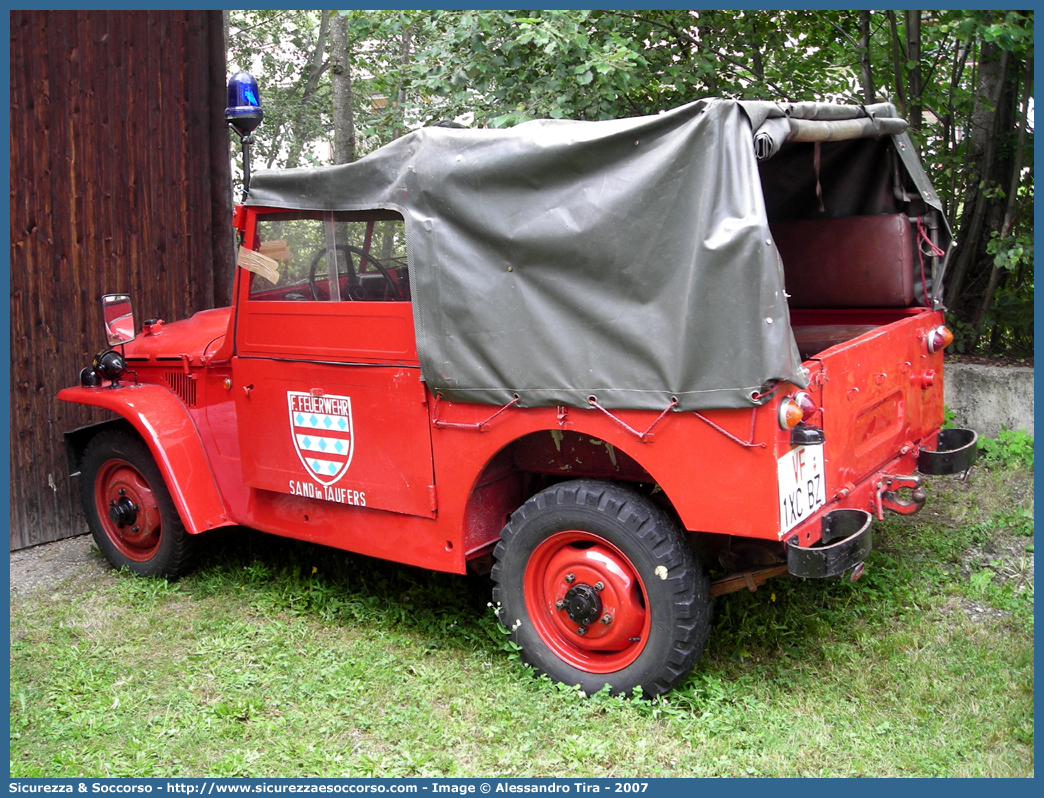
(939, 338)
(790, 413)
(807, 405)
(796, 408)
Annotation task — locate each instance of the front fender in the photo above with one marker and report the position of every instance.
(166, 426)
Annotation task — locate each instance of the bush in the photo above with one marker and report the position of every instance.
(1010, 449)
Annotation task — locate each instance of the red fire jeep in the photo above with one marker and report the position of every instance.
(597, 358)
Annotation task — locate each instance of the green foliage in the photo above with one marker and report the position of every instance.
(524, 65)
(1010, 449)
(963, 334)
(383, 46)
(1009, 325)
(505, 67)
(1010, 253)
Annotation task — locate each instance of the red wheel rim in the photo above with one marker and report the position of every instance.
(128, 510)
(587, 602)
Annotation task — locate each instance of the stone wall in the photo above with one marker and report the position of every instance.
(986, 397)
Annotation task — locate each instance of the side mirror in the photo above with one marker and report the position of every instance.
(119, 319)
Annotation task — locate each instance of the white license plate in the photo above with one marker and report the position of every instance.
(802, 485)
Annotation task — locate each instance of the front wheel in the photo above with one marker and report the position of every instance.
(129, 510)
(597, 585)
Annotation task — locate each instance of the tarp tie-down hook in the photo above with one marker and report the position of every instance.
(644, 437)
(481, 426)
(745, 444)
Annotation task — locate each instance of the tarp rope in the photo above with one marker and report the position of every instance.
(932, 250)
(481, 426)
(642, 436)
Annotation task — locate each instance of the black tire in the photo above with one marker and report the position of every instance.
(589, 529)
(129, 509)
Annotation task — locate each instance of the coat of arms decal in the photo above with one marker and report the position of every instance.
(321, 427)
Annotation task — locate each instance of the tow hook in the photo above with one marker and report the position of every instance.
(887, 493)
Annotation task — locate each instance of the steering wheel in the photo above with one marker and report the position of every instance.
(353, 273)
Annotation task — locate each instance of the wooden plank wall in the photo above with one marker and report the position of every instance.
(119, 183)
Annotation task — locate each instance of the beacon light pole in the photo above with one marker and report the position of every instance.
(244, 114)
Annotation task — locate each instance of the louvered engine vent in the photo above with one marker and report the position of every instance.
(183, 385)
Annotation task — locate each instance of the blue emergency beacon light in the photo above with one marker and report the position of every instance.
(244, 114)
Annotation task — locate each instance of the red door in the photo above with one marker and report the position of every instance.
(329, 400)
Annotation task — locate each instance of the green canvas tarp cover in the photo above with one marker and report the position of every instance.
(629, 260)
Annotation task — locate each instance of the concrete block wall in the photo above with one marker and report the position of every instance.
(985, 397)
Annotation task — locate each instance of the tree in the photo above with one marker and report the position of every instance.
(993, 200)
(343, 110)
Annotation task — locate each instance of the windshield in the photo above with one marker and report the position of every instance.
(369, 250)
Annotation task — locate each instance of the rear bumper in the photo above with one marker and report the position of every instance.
(839, 537)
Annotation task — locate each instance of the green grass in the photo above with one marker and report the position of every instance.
(277, 658)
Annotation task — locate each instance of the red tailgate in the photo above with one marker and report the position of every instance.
(882, 391)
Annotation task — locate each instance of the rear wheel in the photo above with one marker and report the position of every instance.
(128, 508)
(599, 586)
